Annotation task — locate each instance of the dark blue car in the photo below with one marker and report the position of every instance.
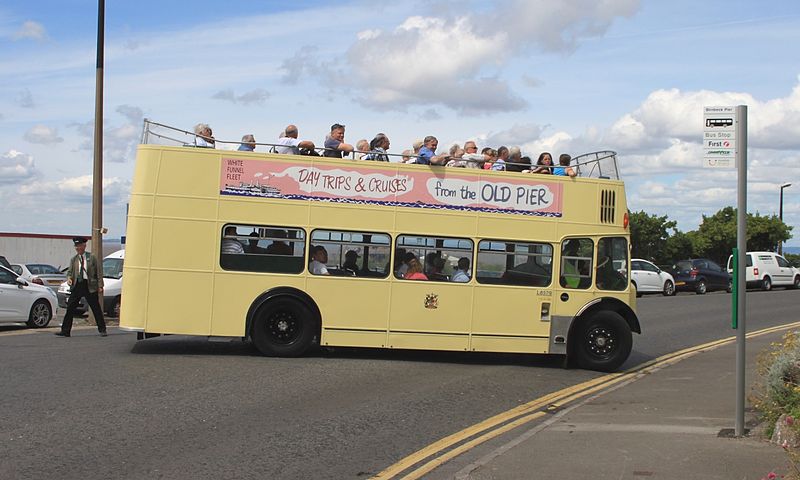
(700, 275)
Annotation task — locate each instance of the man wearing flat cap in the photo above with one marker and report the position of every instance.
(85, 277)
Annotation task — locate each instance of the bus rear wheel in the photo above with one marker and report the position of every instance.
(283, 327)
(603, 342)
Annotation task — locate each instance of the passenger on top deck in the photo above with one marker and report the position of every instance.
(362, 148)
(290, 145)
(564, 169)
(248, 143)
(524, 165)
(502, 157)
(544, 164)
(334, 143)
(427, 154)
(471, 158)
(378, 147)
(203, 136)
(514, 163)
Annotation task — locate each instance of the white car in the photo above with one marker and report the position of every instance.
(25, 302)
(112, 288)
(647, 278)
(768, 269)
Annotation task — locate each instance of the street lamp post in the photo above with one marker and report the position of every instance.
(780, 215)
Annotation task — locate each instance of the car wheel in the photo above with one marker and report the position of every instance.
(796, 283)
(638, 293)
(40, 315)
(766, 284)
(284, 327)
(730, 286)
(603, 342)
(701, 288)
(669, 289)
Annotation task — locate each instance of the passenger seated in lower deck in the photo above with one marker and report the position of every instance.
(319, 257)
(462, 274)
(436, 272)
(279, 247)
(350, 264)
(414, 270)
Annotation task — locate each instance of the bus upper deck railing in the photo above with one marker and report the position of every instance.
(600, 164)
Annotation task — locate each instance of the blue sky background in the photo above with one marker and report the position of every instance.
(574, 77)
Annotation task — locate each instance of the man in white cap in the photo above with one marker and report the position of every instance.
(85, 277)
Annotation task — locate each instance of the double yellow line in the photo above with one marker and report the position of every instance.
(454, 445)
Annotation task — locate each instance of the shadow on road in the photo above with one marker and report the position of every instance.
(182, 345)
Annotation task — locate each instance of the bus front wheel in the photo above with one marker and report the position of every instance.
(602, 342)
(283, 327)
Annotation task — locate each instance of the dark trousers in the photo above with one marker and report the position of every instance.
(81, 290)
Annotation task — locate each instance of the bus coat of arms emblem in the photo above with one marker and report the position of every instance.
(431, 301)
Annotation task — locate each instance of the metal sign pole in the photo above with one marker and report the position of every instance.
(741, 245)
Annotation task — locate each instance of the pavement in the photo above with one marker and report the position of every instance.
(669, 424)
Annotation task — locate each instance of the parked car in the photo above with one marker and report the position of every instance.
(767, 269)
(40, 273)
(24, 302)
(700, 275)
(112, 289)
(648, 278)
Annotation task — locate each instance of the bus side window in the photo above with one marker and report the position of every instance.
(259, 248)
(515, 263)
(354, 254)
(576, 263)
(612, 259)
(438, 259)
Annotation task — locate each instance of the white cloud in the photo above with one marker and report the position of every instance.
(32, 30)
(673, 114)
(457, 61)
(17, 167)
(79, 189)
(258, 96)
(43, 134)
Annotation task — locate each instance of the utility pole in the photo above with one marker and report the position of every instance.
(97, 177)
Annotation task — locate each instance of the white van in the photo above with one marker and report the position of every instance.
(112, 286)
(768, 269)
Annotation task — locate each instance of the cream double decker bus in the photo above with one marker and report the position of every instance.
(294, 251)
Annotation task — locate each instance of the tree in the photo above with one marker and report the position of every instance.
(679, 246)
(649, 235)
(716, 236)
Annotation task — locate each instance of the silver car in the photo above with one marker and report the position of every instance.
(40, 274)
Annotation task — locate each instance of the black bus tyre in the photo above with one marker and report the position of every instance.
(40, 314)
(602, 342)
(669, 289)
(701, 287)
(283, 327)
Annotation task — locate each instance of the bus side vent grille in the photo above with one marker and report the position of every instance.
(608, 204)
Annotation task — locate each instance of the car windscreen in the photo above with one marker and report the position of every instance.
(112, 267)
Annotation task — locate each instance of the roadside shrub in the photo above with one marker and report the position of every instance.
(778, 390)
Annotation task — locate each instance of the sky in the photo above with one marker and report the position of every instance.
(545, 75)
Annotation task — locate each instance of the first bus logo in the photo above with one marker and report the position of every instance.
(719, 122)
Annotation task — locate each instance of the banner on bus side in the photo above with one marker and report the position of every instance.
(364, 184)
